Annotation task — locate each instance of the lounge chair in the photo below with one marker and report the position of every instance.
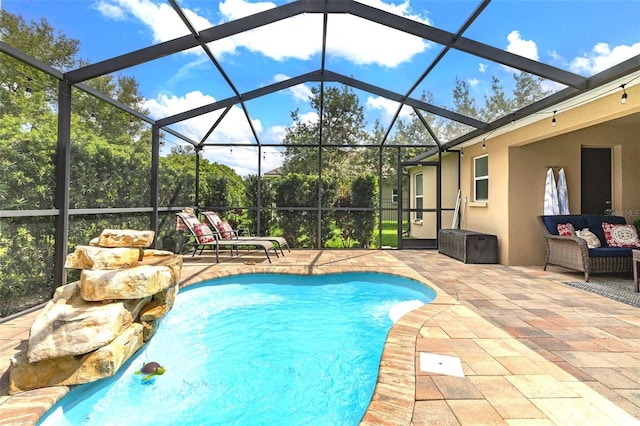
(228, 233)
(204, 237)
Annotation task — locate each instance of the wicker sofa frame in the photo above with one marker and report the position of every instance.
(573, 253)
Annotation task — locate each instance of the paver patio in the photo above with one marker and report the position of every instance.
(533, 350)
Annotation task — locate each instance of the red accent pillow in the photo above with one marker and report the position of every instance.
(566, 230)
(220, 227)
(620, 235)
(228, 228)
(203, 233)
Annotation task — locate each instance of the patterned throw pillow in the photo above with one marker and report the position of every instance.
(590, 238)
(229, 229)
(220, 227)
(620, 235)
(566, 230)
(204, 234)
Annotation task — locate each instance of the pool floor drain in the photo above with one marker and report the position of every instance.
(441, 364)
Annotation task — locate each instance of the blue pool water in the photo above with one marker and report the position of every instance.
(257, 349)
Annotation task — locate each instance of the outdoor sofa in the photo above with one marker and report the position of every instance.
(572, 251)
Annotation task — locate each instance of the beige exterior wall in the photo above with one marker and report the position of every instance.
(518, 162)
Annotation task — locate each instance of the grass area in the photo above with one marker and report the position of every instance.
(389, 236)
(390, 233)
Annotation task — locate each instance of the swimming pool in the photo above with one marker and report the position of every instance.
(256, 349)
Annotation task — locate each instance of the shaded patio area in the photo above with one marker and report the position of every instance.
(533, 349)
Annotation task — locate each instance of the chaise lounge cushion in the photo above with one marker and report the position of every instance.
(204, 234)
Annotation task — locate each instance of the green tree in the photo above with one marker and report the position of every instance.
(364, 194)
(528, 89)
(496, 103)
(219, 186)
(297, 199)
(342, 119)
(344, 218)
(110, 158)
(268, 218)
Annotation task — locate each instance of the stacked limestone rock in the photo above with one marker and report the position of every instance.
(92, 326)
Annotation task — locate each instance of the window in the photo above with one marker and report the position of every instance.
(481, 178)
(394, 195)
(418, 196)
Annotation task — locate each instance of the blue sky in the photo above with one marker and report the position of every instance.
(584, 37)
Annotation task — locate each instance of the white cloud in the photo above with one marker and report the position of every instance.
(602, 57)
(110, 10)
(473, 82)
(274, 134)
(299, 92)
(556, 57)
(350, 38)
(235, 9)
(160, 18)
(482, 68)
(551, 86)
(309, 117)
(519, 46)
(388, 107)
(244, 160)
(233, 128)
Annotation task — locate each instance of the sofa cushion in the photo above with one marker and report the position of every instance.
(594, 223)
(610, 252)
(552, 222)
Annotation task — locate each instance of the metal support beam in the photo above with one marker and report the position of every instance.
(438, 195)
(63, 179)
(187, 42)
(331, 76)
(466, 45)
(400, 174)
(154, 181)
(197, 188)
(380, 160)
(323, 76)
(259, 192)
(224, 103)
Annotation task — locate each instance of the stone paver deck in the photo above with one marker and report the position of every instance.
(533, 350)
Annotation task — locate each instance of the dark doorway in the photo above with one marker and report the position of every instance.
(595, 182)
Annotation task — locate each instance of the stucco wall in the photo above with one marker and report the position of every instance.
(518, 163)
(529, 166)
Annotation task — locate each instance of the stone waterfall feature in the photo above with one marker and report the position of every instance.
(91, 327)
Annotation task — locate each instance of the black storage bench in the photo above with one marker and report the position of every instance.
(468, 246)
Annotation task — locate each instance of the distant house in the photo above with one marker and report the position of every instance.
(389, 198)
(274, 172)
(430, 209)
